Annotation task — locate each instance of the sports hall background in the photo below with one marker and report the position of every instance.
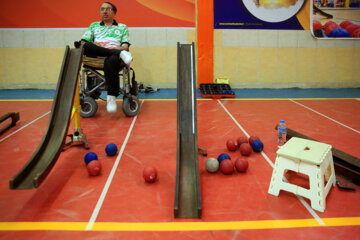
(33, 35)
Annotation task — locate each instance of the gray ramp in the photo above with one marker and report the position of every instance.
(187, 190)
(44, 158)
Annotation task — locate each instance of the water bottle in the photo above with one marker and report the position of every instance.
(281, 133)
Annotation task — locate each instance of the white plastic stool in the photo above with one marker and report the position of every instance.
(308, 157)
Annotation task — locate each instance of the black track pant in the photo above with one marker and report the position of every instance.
(112, 65)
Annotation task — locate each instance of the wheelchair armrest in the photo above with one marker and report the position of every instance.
(93, 62)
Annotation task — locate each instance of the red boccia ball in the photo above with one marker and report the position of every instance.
(317, 25)
(253, 138)
(150, 174)
(94, 168)
(356, 33)
(242, 140)
(344, 24)
(330, 28)
(227, 166)
(241, 164)
(351, 28)
(232, 145)
(327, 24)
(245, 149)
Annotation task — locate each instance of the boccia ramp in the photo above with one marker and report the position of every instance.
(187, 189)
(44, 158)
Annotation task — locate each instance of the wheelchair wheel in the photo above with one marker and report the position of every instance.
(88, 107)
(131, 106)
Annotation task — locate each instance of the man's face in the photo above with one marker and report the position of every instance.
(106, 12)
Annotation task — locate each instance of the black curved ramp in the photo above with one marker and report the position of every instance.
(187, 202)
(44, 158)
(321, 12)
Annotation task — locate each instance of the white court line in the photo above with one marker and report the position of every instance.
(192, 89)
(306, 205)
(110, 178)
(24, 126)
(325, 116)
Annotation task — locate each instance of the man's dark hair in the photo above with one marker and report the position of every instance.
(112, 5)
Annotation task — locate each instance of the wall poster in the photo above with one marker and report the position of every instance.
(262, 14)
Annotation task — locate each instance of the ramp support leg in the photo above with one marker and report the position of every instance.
(78, 138)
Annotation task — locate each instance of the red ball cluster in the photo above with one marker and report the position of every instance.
(241, 164)
(345, 29)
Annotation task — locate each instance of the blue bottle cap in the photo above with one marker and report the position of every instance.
(282, 121)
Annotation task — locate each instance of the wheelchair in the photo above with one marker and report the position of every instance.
(92, 83)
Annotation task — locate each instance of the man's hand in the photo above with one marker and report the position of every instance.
(124, 46)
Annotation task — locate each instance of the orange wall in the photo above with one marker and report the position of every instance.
(80, 13)
(205, 36)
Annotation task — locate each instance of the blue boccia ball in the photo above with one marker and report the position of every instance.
(339, 33)
(111, 149)
(89, 157)
(257, 146)
(222, 157)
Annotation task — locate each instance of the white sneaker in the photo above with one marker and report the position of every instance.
(126, 57)
(111, 104)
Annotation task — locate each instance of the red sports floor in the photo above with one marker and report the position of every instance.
(118, 204)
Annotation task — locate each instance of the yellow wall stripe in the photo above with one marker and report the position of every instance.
(178, 226)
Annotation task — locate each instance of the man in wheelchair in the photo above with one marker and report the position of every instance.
(111, 40)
